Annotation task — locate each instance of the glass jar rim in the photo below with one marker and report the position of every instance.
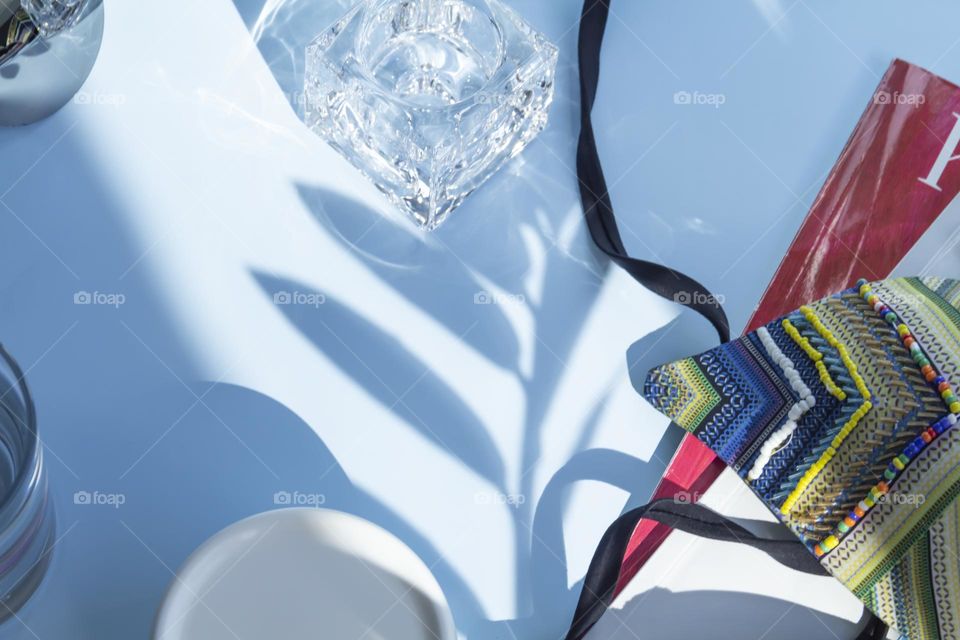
(478, 95)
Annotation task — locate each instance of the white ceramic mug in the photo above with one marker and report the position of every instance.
(304, 573)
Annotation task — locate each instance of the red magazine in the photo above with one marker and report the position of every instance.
(897, 173)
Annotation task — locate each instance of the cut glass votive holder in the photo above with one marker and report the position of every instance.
(429, 98)
(27, 522)
(54, 16)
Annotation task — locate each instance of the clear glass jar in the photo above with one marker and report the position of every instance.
(27, 521)
(429, 98)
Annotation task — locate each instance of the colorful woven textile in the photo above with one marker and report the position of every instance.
(840, 416)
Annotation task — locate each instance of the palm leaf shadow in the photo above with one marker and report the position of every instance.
(571, 283)
(571, 289)
(445, 292)
(407, 387)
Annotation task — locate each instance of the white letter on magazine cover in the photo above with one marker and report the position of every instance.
(948, 147)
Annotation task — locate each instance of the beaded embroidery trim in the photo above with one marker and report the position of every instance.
(850, 424)
(931, 375)
(879, 490)
(816, 356)
(875, 360)
(898, 464)
(806, 402)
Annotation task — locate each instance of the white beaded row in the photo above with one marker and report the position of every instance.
(807, 401)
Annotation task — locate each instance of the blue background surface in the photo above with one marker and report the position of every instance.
(138, 400)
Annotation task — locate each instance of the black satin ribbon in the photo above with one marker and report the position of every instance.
(597, 206)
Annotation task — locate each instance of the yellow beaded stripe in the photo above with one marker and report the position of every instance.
(828, 382)
(849, 426)
(817, 358)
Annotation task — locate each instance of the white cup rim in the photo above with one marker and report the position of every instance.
(328, 531)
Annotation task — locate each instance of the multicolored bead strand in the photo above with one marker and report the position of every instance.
(851, 423)
(931, 375)
(876, 493)
(806, 402)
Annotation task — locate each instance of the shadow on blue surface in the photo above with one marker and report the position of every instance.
(121, 412)
(220, 474)
(58, 247)
(408, 387)
(351, 342)
(719, 615)
(433, 408)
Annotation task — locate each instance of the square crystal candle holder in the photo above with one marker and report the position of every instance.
(429, 98)
(53, 16)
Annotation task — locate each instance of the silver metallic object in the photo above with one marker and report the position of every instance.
(47, 50)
